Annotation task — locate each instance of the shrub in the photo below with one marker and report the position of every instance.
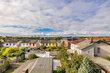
(36, 48)
(32, 56)
(42, 47)
(18, 53)
(10, 51)
(23, 49)
(107, 58)
(3, 49)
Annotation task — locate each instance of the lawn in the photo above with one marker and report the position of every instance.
(10, 70)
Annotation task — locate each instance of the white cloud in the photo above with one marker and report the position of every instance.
(78, 16)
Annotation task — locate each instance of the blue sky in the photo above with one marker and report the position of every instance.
(54, 17)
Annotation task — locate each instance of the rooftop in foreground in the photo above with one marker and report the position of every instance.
(102, 62)
(42, 65)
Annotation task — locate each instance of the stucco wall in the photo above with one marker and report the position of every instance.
(104, 50)
(89, 52)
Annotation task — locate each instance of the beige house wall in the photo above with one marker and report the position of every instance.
(104, 50)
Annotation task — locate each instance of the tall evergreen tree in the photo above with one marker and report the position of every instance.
(87, 67)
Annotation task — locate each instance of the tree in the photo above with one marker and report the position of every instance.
(22, 49)
(62, 55)
(87, 67)
(32, 56)
(0, 44)
(3, 49)
(60, 70)
(19, 53)
(74, 63)
(103, 40)
(42, 47)
(10, 51)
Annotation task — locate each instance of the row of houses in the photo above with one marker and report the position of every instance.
(88, 47)
(85, 47)
(30, 43)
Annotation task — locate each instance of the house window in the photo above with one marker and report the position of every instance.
(98, 50)
(6, 44)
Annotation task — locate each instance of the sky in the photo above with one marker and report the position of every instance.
(54, 17)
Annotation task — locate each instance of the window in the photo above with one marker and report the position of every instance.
(6, 44)
(98, 50)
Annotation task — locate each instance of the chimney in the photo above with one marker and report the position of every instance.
(91, 40)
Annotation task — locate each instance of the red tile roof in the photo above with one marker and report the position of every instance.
(99, 38)
(77, 41)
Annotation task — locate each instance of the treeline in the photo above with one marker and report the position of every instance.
(39, 38)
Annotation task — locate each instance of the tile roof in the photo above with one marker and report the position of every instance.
(11, 41)
(48, 41)
(82, 43)
(78, 41)
(99, 38)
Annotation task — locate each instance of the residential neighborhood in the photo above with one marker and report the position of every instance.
(46, 52)
(54, 36)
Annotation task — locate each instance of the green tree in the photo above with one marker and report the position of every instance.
(74, 63)
(62, 55)
(87, 67)
(32, 56)
(103, 40)
(3, 49)
(22, 49)
(42, 47)
(60, 70)
(19, 53)
(0, 44)
(10, 51)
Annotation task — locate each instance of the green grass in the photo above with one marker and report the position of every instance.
(10, 70)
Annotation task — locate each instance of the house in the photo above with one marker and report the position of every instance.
(52, 43)
(11, 43)
(81, 46)
(67, 42)
(101, 49)
(84, 47)
(25, 43)
(34, 44)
